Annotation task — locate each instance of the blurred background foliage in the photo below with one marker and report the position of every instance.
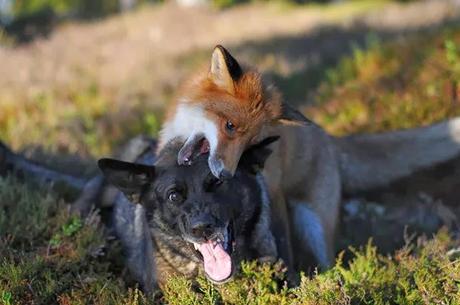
(391, 86)
(11, 10)
(24, 19)
(75, 8)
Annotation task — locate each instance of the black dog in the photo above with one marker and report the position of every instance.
(186, 219)
(196, 221)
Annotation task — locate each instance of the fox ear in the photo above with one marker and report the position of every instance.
(224, 69)
(253, 159)
(130, 178)
(291, 116)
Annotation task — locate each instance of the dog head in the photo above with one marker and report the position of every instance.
(213, 218)
(226, 110)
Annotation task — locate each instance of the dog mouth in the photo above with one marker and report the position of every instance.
(216, 255)
(195, 146)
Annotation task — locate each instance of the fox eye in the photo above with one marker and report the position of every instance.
(230, 126)
(175, 197)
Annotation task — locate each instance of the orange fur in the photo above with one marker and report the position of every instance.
(256, 109)
(253, 104)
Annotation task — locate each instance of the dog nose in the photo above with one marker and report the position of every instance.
(202, 227)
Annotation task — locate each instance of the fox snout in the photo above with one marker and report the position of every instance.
(218, 168)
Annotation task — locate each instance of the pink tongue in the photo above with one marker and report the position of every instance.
(217, 262)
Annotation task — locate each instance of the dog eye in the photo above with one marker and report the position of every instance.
(230, 126)
(175, 197)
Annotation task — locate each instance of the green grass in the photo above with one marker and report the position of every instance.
(48, 256)
(80, 119)
(51, 257)
(391, 86)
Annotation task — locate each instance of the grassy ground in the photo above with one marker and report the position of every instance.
(386, 87)
(48, 256)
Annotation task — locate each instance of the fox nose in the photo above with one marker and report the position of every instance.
(202, 227)
(218, 169)
(225, 175)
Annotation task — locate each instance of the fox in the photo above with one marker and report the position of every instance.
(226, 108)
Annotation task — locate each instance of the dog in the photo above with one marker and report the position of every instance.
(226, 108)
(196, 220)
(172, 219)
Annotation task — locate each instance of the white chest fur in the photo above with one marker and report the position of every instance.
(187, 122)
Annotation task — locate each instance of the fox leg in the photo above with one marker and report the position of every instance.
(315, 219)
(279, 211)
(315, 238)
(281, 228)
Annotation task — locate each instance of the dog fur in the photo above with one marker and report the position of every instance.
(240, 204)
(156, 246)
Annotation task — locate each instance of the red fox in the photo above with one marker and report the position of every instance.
(227, 108)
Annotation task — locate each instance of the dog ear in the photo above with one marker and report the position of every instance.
(291, 116)
(130, 178)
(253, 159)
(224, 69)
